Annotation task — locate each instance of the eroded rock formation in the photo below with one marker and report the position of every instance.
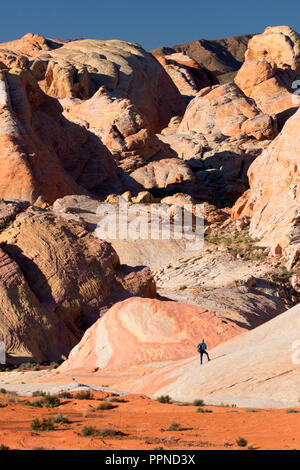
(55, 279)
(270, 71)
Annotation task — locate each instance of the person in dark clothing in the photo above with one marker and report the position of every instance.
(202, 350)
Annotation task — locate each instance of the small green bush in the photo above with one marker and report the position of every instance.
(174, 427)
(49, 401)
(84, 395)
(241, 442)
(89, 431)
(106, 405)
(38, 393)
(202, 410)
(117, 400)
(198, 402)
(59, 418)
(3, 447)
(46, 424)
(107, 432)
(65, 395)
(164, 399)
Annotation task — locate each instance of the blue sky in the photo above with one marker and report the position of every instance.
(152, 24)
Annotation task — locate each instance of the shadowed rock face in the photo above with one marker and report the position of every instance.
(187, 75)
(222, 130)
(46, 156)
(142, 331)
(221, 55)
(55, 279)
(272, 64)
(273, 199)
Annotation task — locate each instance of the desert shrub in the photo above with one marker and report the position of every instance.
(65, 395)
(227, 444)
(60, 418)
(164, 399)
(51, 401)
(2, 390)
(46, 424)
(84, 395)
(203, 410)
(198, 402)
(48, 401)
(241, 442)
(252, 410)
(11, 397)
(106, 405)
(106, 432)
(54, 365)
(89, 431)
(28, 366)
(117, 400)
(3, 447)
(292, 410)
(38, 393)
(174, 427)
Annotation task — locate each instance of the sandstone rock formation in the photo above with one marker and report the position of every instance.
(142, 331)
(273, 199)
(225, 110)
(31, 45)
(46, 156)
(272, 66)
(221, 130)
(221, 55)
(55, 279)
(187, 75)
(257, 369)
(123, 68)
(118, 124)
(166, 173)
(226, 286)
(101, 92)
(123, 94)
(260, 368)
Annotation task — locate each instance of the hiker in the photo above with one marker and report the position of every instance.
(202, 350)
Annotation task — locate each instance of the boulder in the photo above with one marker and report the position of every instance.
(224, 109)
(165, 173)
(270, 71)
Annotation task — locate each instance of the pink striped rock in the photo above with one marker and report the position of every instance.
(141, 331)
